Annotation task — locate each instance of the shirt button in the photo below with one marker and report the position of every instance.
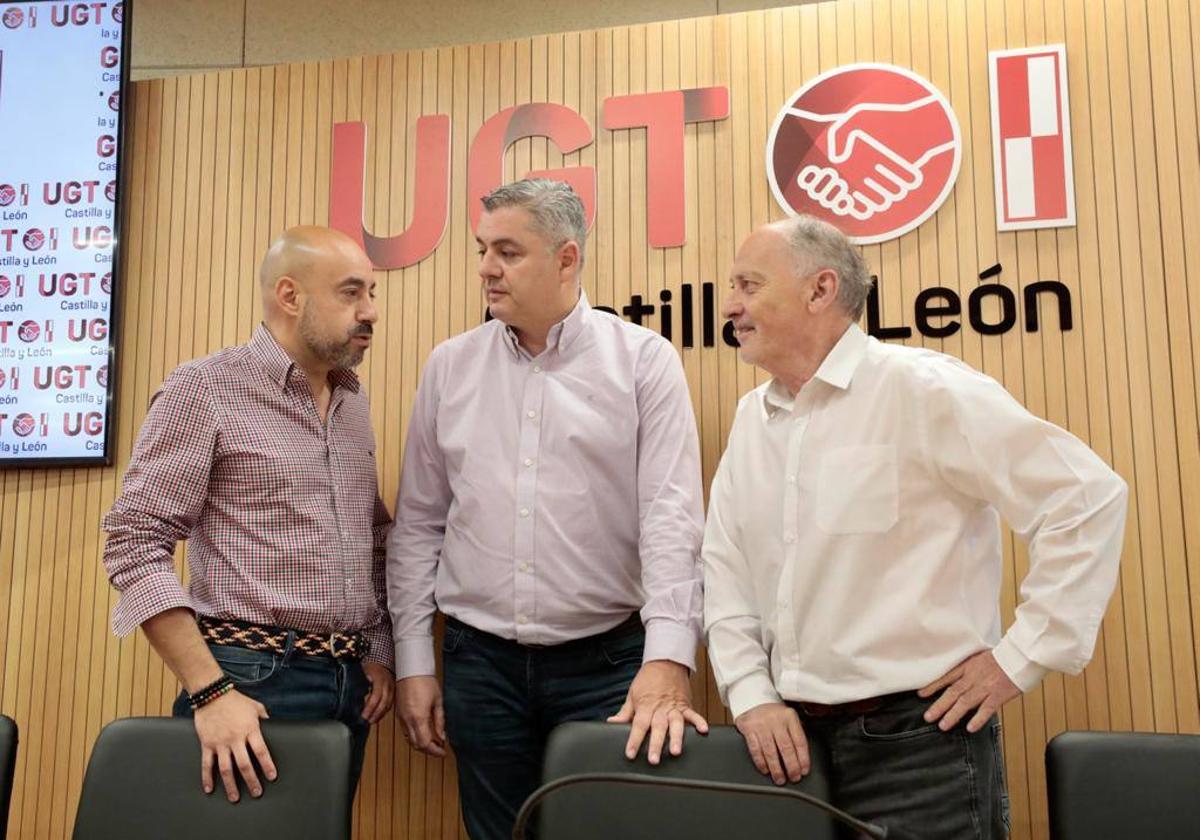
(528, 462)
(537, 369)
(531, 414)
(791, 479)
(521, 619)
(789, 538)
(524, 567)
(524, 511)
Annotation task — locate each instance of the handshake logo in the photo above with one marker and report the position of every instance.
(871, 148)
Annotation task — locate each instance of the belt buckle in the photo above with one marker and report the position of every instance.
(333, 651)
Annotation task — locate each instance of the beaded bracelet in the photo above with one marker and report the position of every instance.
(210, 692)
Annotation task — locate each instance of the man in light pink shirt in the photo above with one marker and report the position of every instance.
(550, 506)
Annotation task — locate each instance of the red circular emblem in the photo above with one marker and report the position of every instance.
(29, 331)
(102, 375)
(871, 148)
(13, 17)
(34, 239)
(114, 100)
(8, 194)
(110, 190)
(106, 282)
(118, 12)
(5, 286)
(23, 424)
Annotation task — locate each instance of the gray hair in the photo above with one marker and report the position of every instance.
(817, 245)
(556, 210)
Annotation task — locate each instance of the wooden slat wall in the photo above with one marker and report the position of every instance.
(220, 163)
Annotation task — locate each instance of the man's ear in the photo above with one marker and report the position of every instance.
(568, 256)
(824, 290)
(288, 295)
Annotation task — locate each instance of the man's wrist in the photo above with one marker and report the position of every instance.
(412, 677)
(215, 690)
(669, 664)
(1022, 671)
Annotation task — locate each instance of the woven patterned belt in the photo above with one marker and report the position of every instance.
(227, 631)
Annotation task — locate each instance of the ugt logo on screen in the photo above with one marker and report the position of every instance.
(13, 17)
(871, 148)
(24, 424)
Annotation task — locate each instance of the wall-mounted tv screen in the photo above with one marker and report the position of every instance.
(63, 71)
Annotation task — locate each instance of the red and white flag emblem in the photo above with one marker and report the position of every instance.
(1031, 138)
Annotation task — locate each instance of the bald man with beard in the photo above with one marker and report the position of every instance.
(263, 458)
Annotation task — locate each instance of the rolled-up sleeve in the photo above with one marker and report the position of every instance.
(161, 498)
(379, 634)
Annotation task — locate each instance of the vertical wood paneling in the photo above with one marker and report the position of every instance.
(220, 163)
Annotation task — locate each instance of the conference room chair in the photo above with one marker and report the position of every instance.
(591, 791)
(1121, 785)
(143, 783)
(8, 766)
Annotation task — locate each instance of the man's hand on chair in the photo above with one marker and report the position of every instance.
(229, 732)
(659, 703)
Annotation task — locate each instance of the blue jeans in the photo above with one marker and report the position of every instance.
(502, 699)
(295, 686)
(892, 768)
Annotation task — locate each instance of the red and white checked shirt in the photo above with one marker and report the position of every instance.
(281, 512)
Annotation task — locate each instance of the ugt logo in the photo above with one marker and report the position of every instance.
(871, 148)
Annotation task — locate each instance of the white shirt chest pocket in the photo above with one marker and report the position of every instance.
(857, 490)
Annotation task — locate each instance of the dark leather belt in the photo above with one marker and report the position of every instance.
(227, 631)
(633, 624)
(854, 708)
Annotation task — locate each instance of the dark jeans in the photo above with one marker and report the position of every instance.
(503, 698)
(295, 686)
(892, 768)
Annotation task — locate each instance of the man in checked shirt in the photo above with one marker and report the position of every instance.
(262, 457)
(550, 506)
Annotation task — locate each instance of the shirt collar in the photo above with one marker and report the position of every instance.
(839, 366)
(837, 370)
(279, 365)
(776, 397)
(562, 335)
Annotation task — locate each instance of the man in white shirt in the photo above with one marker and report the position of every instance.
(852, 554)
(551, 492)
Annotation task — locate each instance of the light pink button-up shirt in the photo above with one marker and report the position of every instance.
(545, 499)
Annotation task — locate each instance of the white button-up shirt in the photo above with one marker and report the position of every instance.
(853, 543)
(545, 499)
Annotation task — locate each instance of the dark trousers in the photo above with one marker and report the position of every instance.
(502, 699)
(295, 686)
(892, 768)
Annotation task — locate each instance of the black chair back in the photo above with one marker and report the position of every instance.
(8, 766)
(1118, 785)
(143, 783)
(604, 809)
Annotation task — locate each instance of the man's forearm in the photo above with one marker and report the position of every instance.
(176, 638)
